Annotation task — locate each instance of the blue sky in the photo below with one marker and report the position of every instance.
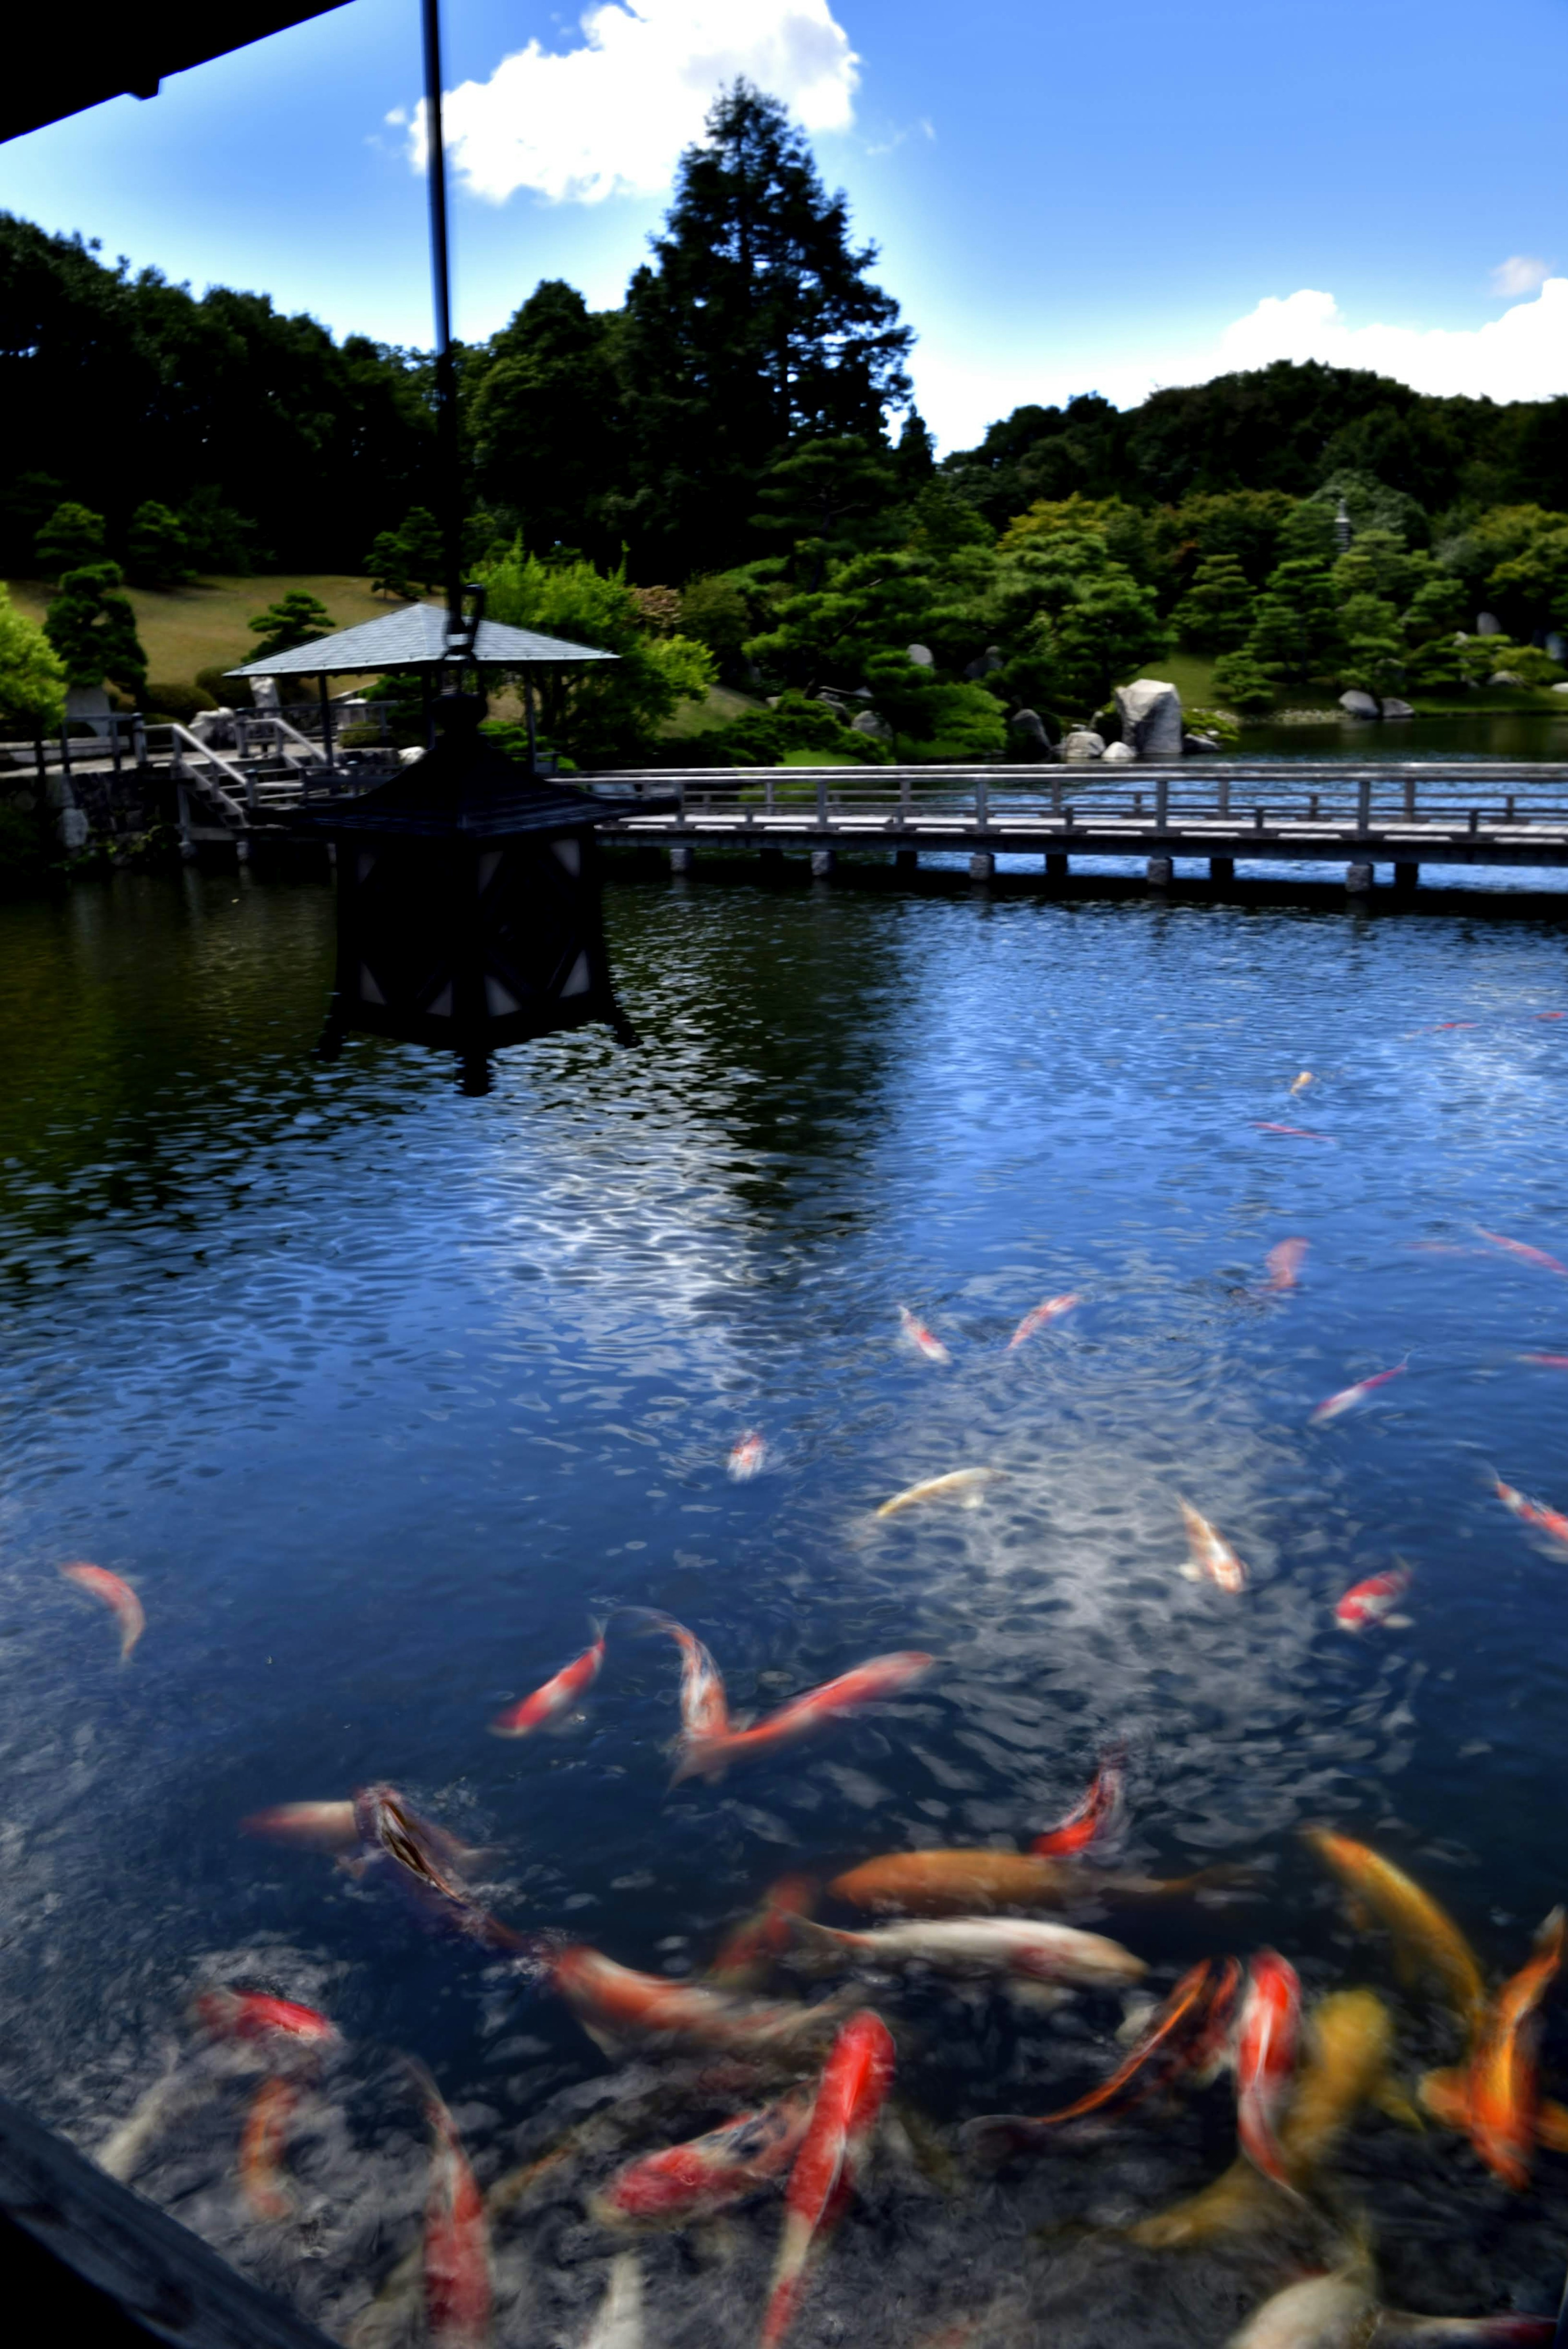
(1065, 199)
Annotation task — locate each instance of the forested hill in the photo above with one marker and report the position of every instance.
(756, 337)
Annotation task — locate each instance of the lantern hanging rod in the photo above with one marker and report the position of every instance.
(449, 463)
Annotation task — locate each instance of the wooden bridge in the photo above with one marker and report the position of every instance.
(1404, 813)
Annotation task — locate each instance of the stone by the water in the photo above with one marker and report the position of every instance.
(1150, 713)
(1083, 743)
(1504, 677)
(1199, 744)
(1118, 754)
(921, 656)
(1359, 705)
(1487, 624)
(1028, 729)
(871, 722)
(1394, 707)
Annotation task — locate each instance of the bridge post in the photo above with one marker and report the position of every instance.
(1223, 869)
(822, 862)
(1159, 870)
(1056, 865)
(906, 860)
(1407, 876)
(1162, 805)
(680, 856)
(1358, 880)
(982, 865)
(822, 796)
(1364, 804)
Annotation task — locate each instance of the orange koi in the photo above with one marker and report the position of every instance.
(458, 2295)
(616, 2004)
(277, 2025)
(1532, 1513)
(748, 1951)
(1211, 1555)
(1296, 1133)
(1091, 1819)
(1374, 1601)
(119, 1598)
(1348, 1397)
(709, 1756)
(964, 1883)
(921, 1338)
(1265, 2059)
(1055, 1308)
(1497, 2098)
(1521, 1249)
(705, 1709)
(261, 2147)
(749, 1455)
(1283, 1263)
(315, 1826)
(1302, 1082)
(557, 1695)
(850, 2096)
(691, 2182)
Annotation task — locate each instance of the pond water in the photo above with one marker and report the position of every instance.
(1525, 734)
(379, 1396)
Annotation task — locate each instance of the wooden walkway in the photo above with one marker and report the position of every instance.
(1406, 813)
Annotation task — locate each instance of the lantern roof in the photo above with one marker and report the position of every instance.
(465, 789)
(415, 636)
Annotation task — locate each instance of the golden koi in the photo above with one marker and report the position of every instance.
(1211, 1555)
(265, 2134)
(969, 1482)
(1424, 1934)
(921, 1338)
(1302, 1082)
(556, 1697)
(710, 1756)
(1055, 1308)
(965, 1883)
(986, 1945)
(850, 2096)
(119, 1598)
(1496, 2100)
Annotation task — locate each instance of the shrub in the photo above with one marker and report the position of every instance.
(73, 534)
(297, 618)
(226, 692)
(93, 628)
(1243, 684)
(157, 551)
(180, 702)
(32, 676)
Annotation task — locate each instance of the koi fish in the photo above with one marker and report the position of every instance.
(1173, 2040)
(316, 1826)
(1521, 1249)
(849, 2095)
(709, 1756)
(277, 2025)
(618, 2323)
(986, 1945)
(1324, 2311)
(966, 1883)
(1302, 1082)
(1211, 1555)
(423, 1862)
(1054, 1310)
(691, 2182)
(1545, 1362)
(1089, 1820)
(1496, 2099)
(1283, 1263)
(616, 2004)
(261, 2144)
(748, 1457)
(969, 1481)
(1296, 1133)
(1425, 1935)
(920, 1336)
(1532, 1513)
(748, 1952)
(458, 2298)
(1374, 1601)
(1348, 1397)
(1266, 2058)
(118, 1596)
(557, 1695)
(705, 1709)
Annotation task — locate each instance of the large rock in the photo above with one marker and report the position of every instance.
(1199, 745)
(1081, 743)
(1556, 646)
(1119, 754)
(1561, 688)
(1487, 624)
(1359, 705)
(871, 722)
(264, 695)
(1028, 729)
(1504, 677)
(1150, 717)
(989, 662)
(1394, 707)
(921, 656)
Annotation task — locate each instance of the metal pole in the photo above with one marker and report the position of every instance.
(447, 459)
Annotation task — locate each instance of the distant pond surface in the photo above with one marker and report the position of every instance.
(1525, 734)
(382, 1397)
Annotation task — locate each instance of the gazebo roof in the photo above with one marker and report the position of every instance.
(415, 636)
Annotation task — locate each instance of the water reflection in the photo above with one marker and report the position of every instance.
(379, 1396)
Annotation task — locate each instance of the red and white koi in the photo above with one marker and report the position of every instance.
(1535, 1514)
(1296, 1133)
(691, 2182)
(850, 2096)
(458, 2292)
(1055, 1308)
(261, 2144)
(1335, 1405)
(557, 1696)
(279, 2026)
(1522, 1250)
(1027, 1947)
(1283, 1263)
(1211, 1555)
(748, 1456)
(1545, 1362)
(616, 2004)
(1089, 1821)
(1267, 2036)
(1373, 1601)
(705, 1709)
(708, 1756)
(118, 1596)
(921, 1338)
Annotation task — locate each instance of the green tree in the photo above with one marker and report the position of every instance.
(1436, 608)
(1296, 630)
(158, 552)
(915, 454)
(1216, 613)
(32, 676)
(1372, 659)
(826, 498)
(297, 618)
(715, 613)
(608, 713)
(92, 627)
(934, 716)
(1376, 562)
(73, 534)
(546, 423)
(1533, 584)
(387, 566)
(755, 326)
(1241, 683)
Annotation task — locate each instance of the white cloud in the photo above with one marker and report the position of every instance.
(611, 117)
(1519, 275)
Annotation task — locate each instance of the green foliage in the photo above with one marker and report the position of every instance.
(1307, 534)
(1533, 582)
(932, 717)
(32, 676)
(608, 713)
(1373, 505)
(1373, 660)
(1241, 683)
(1377, 564)
(180, 702)
(1527, 663)
(546, 423)
(408, 560)
(1296, 631)
(158, 552)
(1243, 524)
(762, 738)
(715, 613)
(223, 691)
(388, 567)
(1216, 613)
(1436, 608)
(73, 536)
(826, 498)
(217, 536)
(297, 618)
(92, 627)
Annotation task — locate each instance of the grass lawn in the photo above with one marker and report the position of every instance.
(203, 626)
(723, 706)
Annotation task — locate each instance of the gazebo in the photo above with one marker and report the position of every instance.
(416, 638)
